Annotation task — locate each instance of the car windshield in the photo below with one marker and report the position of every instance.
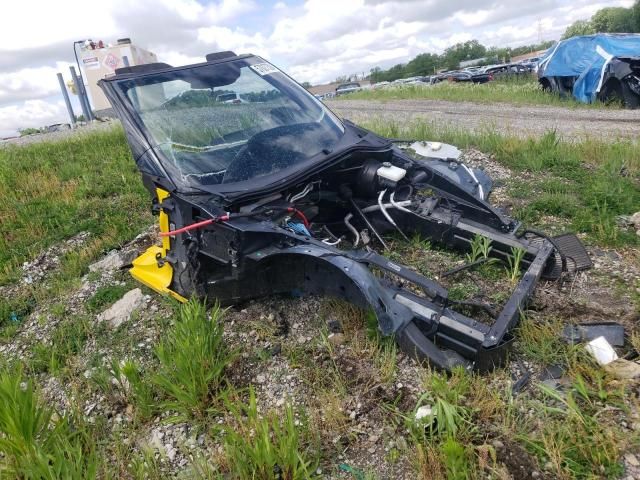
(230, 122)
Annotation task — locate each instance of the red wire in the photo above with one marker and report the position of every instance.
(300, 214)
(193, 226)
(224, 218)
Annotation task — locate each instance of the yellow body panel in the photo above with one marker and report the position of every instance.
(146, 268)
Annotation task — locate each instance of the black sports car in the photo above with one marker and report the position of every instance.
(277, 195)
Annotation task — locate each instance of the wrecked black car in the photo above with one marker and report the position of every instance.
(277, 195)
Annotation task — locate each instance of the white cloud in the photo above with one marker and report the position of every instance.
(30, 83)
(316, 41)
(31, 113)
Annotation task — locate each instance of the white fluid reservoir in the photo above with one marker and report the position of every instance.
(391, 172)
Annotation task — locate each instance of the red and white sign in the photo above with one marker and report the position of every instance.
(91, 63)
(111, 61)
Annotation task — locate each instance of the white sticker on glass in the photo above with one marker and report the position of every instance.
(263, 68)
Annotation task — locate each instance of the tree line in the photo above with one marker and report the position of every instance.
(605, 20)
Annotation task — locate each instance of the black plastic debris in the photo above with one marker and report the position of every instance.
(613, 332)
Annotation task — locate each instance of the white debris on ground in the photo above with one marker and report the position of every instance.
(37, 269)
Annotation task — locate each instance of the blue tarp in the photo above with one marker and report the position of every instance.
(586, 57)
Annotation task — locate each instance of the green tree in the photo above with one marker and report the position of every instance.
(636, 15)
(463, 51)
(577, 28)
(613, 20)
(423, 64)
(376, 74)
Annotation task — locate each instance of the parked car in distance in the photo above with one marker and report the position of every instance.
(459, 76)
(507, 70)
(379, 85)
(230, 98)
(348, 88)
(530, 64)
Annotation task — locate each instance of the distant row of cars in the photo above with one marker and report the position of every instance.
(470, 74)
(486, 73)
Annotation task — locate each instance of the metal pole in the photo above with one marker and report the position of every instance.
(81, 95)
(65, 94)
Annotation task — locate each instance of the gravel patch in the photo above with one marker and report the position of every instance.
(520, 120)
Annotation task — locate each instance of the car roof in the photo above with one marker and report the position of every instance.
(137, 71)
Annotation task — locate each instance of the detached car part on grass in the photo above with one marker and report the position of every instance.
(276, 195)
(603, 67)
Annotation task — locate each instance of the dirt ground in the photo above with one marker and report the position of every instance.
(521, 120)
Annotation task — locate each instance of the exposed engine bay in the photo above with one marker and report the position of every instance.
(293, 201)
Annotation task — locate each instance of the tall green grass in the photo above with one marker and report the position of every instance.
(588, 183)
(51, 191)
(525, 91)
(193, 358)
(35, 442)
(267, 446)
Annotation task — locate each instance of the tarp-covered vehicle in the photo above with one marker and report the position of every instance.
(276, 195)
(603, 67)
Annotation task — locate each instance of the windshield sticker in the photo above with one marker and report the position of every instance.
(263, 68)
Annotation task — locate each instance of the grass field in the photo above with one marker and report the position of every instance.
(520, 91)
(79, 399)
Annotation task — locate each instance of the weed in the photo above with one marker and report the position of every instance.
(541, 341)
(576, 442)
(514, 261)
(66, 341)
(135, 389)
(385, 358)
(463, 290)
(456, 459)
(480, 248)
(193, 357)
(144, 465)
(58, 310)
(35, 442)
(269, 446)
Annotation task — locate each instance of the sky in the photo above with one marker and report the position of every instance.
(312, 40)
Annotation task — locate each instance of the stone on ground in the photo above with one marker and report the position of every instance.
(121, 311)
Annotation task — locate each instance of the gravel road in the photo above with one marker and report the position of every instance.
(521, 120)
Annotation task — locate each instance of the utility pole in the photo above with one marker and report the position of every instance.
(539, 31)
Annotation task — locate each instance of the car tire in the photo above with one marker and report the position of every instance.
(546, 85)
(617, 91)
